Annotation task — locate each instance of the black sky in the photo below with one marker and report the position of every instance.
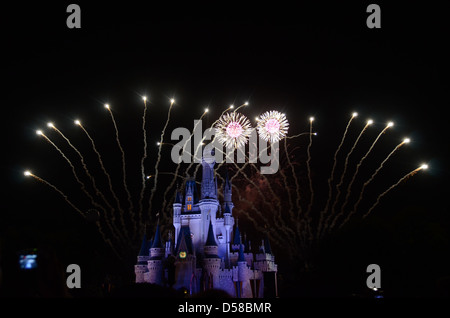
(305, 59)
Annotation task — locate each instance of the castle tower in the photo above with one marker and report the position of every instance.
(209, 184)
(228, 222)
(141, 267)
(236, 238)
(185, 264)
(177, 206)
(265, 262)
(227, 193)
(155, 262)
(211, 260)
(208, 203)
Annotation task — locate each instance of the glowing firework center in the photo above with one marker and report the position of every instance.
(272, 125)
(234, 129)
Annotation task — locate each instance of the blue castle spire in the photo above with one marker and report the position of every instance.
(210, 241)
(157, 243)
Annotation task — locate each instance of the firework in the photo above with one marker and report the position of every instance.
(330, 179)
(233, 130)
(390, 124)
(262, 199)
(355, 207)
(422, 167)
(144, 156)
(308, 165)
(341, 182)
(172, 101)
(124, 173)
(272, 126)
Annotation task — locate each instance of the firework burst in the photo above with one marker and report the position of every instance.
(279, 201)
(272, 126)
(233, 130)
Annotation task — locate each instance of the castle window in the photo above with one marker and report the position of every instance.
(189, 207)
(189, 199)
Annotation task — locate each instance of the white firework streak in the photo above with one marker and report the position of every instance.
(233, 130)
(272, 126)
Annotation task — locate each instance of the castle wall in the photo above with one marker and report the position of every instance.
(226, 281)
(140, 270)
(183, 272)
(155, 272)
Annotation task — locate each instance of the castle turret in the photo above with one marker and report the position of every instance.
(211, 260)
(190, 195)
(236, 238)
(155, 263)
(141, 267)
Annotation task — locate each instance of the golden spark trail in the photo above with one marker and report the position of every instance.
(144, 156)
(57, 190)
(155, 182)
(201, 142)
(297, 188)
(410, 174)
(355, 207)
(338, 186)
(241, 171)
(102, 166)
(83, 187)
(108, 241)
(179, 165)
(330, 179)
(123, 170)
(347, 196)
(308, 165)
(113, 218)
(283, 225)
(98, 192)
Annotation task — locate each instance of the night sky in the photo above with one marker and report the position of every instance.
(305, 60)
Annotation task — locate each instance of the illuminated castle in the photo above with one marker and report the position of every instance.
(209, 251)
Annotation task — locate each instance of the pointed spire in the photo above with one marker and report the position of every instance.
(227, 191)
(261, 248)
(241, 257)
(178, 197)
(184, 240)
(227, 209)
(144, 246)
(267, 247)
(157, 240)
(237, 234)
(227, 179)
(210, 241)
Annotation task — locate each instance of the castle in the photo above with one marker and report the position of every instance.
(208, 252)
